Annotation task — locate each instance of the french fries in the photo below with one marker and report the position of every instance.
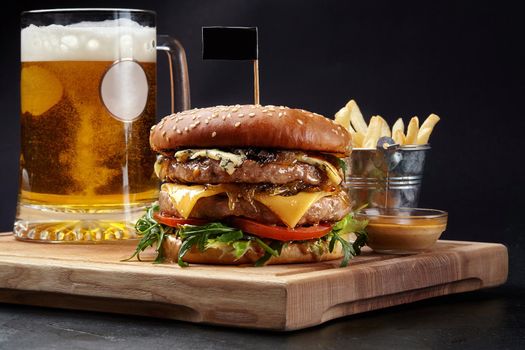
(356, 117)
(399, 137)
(385, 129)
(412, 130)
(426, 129)
(366, 136)
(357, 140)
(373, 133)
(342, 117)
(398, 125)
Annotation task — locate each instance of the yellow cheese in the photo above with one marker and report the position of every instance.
(290, 209)
(185, 197)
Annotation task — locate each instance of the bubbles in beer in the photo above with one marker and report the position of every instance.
(74, 151)
(40, 89)
(96, 41)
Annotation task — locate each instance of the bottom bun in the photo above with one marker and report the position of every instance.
(303, 252)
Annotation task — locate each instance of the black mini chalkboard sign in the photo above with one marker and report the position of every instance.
(233, 43)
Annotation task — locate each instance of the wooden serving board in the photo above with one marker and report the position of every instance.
(285, 297)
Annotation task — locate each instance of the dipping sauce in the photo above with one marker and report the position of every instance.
(403, 230)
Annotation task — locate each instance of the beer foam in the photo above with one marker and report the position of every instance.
(108, 40)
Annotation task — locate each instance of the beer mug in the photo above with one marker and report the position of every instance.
(88, 101)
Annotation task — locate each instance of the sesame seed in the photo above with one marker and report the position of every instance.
(240, 115)
(213, 134)
(179, 132)
(207, 121)
(215, 115)
(235, 109)
(270, 114)
(223, 117)
(186, 129)
(163, 133)
(282, 107)
(194, 117)
(251, 114)
(300, 121)
(237, 124)
(280, 114)
(229, 115)
(265, 111)
(153, 127)
(197, 122)
(172, 117)
(173, 128)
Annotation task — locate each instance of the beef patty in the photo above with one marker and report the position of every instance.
(330, 208)
(209, 171)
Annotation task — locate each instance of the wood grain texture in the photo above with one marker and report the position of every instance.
(282, 297)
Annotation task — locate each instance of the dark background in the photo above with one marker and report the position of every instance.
(462, 60)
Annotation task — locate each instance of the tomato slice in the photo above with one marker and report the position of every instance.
(174, 222)
(281, 233)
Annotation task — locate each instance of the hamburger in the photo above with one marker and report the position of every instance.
(250, 184)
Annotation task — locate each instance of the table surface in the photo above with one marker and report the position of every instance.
(486, 319)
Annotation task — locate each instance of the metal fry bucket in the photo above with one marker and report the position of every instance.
(388, 178)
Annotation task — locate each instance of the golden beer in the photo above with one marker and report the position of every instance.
(88, 100)
(74, 153)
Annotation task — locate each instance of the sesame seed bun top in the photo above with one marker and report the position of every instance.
(250, 126)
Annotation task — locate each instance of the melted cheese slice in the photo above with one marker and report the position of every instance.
(185, 197)
(290, 209)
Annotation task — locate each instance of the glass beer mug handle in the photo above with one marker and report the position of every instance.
(179, 80)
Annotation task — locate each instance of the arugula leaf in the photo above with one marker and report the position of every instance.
(348, 250)
(152, 232)
(342, 165)
(186, 247)
(348, 225)
(214, 228)
(230, 236)
(274, 249)
(200, 236)
(266, 247)
(241, 247)
(331, 245)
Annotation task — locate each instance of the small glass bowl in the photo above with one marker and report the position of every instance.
(403, 230)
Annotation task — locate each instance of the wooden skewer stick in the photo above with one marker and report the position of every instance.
(256, 82)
